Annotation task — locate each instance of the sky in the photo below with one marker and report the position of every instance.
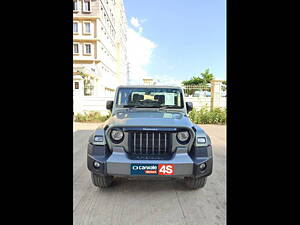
(174, 40)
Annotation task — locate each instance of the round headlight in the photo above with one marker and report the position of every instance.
(117, 135)
(183, 136)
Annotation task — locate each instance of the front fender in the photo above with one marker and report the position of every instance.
(201, 133)
(98, 132)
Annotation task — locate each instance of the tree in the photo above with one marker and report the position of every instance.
(88, 82)
(206, 78)
(193, 81)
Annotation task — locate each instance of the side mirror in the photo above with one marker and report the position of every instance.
(109, 105)
(189, 106)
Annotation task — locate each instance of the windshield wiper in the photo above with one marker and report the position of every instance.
(141, 106)
(169, 107)
(130, 106)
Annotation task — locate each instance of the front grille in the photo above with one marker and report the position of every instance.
(149, 143)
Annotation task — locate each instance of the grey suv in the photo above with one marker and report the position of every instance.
(149, 134)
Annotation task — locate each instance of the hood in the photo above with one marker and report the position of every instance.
(149, 119)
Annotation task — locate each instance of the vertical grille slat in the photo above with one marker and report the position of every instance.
(146, 143)
(134, 145)
(158, 143)
(165, 142)
(153, 143)
(141, 134)
(149, 143)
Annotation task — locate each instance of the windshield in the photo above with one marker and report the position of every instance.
(150, 98)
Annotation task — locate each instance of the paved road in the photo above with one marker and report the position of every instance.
(148, 201)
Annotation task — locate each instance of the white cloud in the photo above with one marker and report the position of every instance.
(164, 79)
(139, 51)
(134, 22)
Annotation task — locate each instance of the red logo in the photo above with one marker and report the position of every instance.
(166, 169)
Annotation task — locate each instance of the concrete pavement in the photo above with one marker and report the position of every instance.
(148, 201)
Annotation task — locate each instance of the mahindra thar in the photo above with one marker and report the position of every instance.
(149, 134)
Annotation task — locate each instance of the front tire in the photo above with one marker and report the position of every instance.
(195, 182)
(101, 181)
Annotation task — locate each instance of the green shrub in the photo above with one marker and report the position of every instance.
(91, 117)
(206, 116)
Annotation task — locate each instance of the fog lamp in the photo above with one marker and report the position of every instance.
(96, 164)
(202, 166)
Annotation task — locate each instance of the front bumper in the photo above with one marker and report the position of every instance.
(118, 163)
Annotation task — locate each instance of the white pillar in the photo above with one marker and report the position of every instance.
(77, 95)
(216, 90)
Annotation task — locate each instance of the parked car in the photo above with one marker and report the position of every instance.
(202, 94)
(207, 93)
(149, 134)
(198, 93)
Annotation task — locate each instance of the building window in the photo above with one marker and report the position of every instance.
(76, 85)
(75, 48)
(87, 6)
(88, 87)
(87, 49)
(75, 5)
(87, 27)
(75, 27)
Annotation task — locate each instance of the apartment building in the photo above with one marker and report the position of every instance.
(99, 47)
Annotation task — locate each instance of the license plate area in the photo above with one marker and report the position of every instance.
(152, 169)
